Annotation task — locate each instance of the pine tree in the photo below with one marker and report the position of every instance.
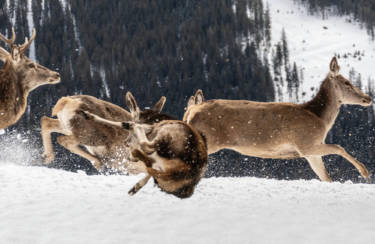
(295, 80)
(285, 50)
(267, 23)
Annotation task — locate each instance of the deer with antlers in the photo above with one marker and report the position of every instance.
(104, 144)
(18, 77)
(279, 130)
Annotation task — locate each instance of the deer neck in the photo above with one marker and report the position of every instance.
(325, 104)
(12, 93)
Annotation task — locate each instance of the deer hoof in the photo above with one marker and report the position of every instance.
(128, 125)
(368, 178)
(364, 172)
(98, 166)
(132, 191)
(48, 157)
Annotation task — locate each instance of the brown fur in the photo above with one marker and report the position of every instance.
(60, 105)
(104, 144)
(278, 130)
(173, 152)
(18, 77)
(181, 155)
(12, 97)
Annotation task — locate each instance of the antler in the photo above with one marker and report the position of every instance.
(27, 43)
(10, 41)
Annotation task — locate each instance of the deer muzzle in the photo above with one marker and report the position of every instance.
(367, 100)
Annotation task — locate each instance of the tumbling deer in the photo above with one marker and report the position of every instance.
(279, 130)
(172, 152)
(104, 144)
(18, 77)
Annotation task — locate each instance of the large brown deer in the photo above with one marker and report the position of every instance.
(279, 130)
(104, 144)
(172, 152)
(18, 77)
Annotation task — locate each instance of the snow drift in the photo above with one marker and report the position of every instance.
(42, 205)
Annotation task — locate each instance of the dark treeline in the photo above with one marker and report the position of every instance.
(172, 48)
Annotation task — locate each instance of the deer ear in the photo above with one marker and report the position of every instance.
(199, 98)
(334, 66)
(191, 101)
(158, 107)
(131, 103)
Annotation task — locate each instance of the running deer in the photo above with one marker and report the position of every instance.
(171, 151)
(18, 77)
(104, 144)
(279, 130)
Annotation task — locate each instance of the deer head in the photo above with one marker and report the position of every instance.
(27, 72)
(345, 91)
(148, 116)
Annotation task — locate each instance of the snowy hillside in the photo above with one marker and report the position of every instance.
(41, 205)
(313, 41)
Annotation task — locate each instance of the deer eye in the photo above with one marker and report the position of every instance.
(32, 66)
(347, 83)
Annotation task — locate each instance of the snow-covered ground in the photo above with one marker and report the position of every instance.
(313, 41)
(42, 205)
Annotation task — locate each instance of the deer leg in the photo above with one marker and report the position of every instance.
(327, 149)
(141, 156)
(70, 143)
(139, 185)
(317, 165)
(48, 126)
(147, 147)
(165, 175)
(135, 167)
(144, 143)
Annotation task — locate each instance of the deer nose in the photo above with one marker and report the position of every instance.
(54, 78)
(367, 100)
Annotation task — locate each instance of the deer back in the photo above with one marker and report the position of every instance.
(254, 127)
